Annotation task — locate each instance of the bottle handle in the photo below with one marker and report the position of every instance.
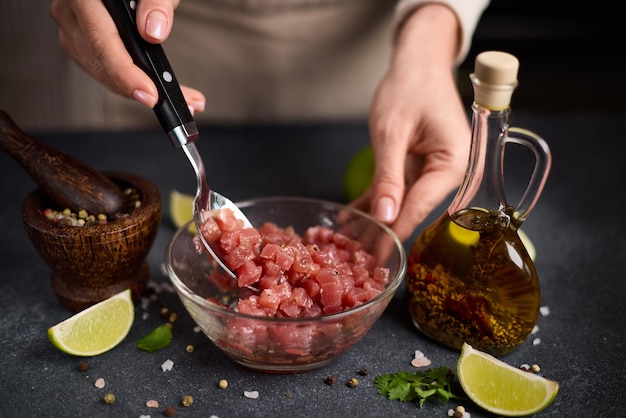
(543, 161)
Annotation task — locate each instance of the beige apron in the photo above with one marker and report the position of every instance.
(274, 60)
(255, 60)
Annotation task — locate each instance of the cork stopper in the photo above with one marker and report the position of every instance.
(494, 79)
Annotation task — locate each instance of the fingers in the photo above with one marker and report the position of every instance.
(390, 149)
(155, 19)
(88, 35)
(194, 98)
(423, 197)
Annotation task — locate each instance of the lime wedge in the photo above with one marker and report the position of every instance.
(181, 209)
(359, 173)
(500, 388)
(96, 329)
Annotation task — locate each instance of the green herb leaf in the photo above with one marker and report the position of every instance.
(418, 386)
(158, 338)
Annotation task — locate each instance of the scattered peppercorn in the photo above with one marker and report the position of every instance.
(459, 411)
(109, 399)
(330, 379)
(187, 400)
(170, 411)
(83, 366)
(352, 383)
(223, 384)
(165, 312)
(363, 371)
(173, 317)
(190, 348)
(288, 395)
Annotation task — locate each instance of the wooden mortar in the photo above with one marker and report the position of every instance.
(93, 262)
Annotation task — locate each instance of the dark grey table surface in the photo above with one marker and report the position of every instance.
(576, 227)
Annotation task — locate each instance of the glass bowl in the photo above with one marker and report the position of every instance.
(283, 344)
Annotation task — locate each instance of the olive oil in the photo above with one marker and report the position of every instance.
(469, 277)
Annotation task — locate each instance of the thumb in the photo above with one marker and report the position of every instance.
(155, 19)
(388, 181)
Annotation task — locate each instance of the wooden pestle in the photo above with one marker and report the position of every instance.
(68, 182)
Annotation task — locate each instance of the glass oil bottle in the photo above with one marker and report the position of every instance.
(470, 278)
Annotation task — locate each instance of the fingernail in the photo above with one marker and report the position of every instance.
(144, 98)
(384, 209)
(156, 24)
(199, 105)
(191, 110)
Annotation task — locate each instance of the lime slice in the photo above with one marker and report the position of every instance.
(96, 329)
(181, 209)
(500, 388)
(359, 173)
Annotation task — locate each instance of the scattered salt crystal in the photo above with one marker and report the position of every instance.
(545, 310)
(153, 297)
(197, 329)
(145, 316)
(537, 341)
(152, 403)
(99, 383)
(252, 394)
(167, 365)
(145, 302)
(450, 412)
(214, 416)
(535, 329)
(144, 416)
(420, 362)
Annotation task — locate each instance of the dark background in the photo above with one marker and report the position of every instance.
(571, 53)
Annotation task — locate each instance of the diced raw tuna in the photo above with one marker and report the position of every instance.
(323, 272)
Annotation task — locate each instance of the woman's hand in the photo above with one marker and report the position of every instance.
(88, 34)
(419, 128)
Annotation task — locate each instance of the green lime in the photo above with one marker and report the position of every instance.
(463, 235)
(96, 329)
(181, 208)
(359, 173)
(500, 388)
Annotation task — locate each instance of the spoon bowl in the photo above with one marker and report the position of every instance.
(206, 203)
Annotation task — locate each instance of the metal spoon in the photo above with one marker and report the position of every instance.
(175, 117)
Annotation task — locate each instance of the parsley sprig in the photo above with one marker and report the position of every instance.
(418, 386)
